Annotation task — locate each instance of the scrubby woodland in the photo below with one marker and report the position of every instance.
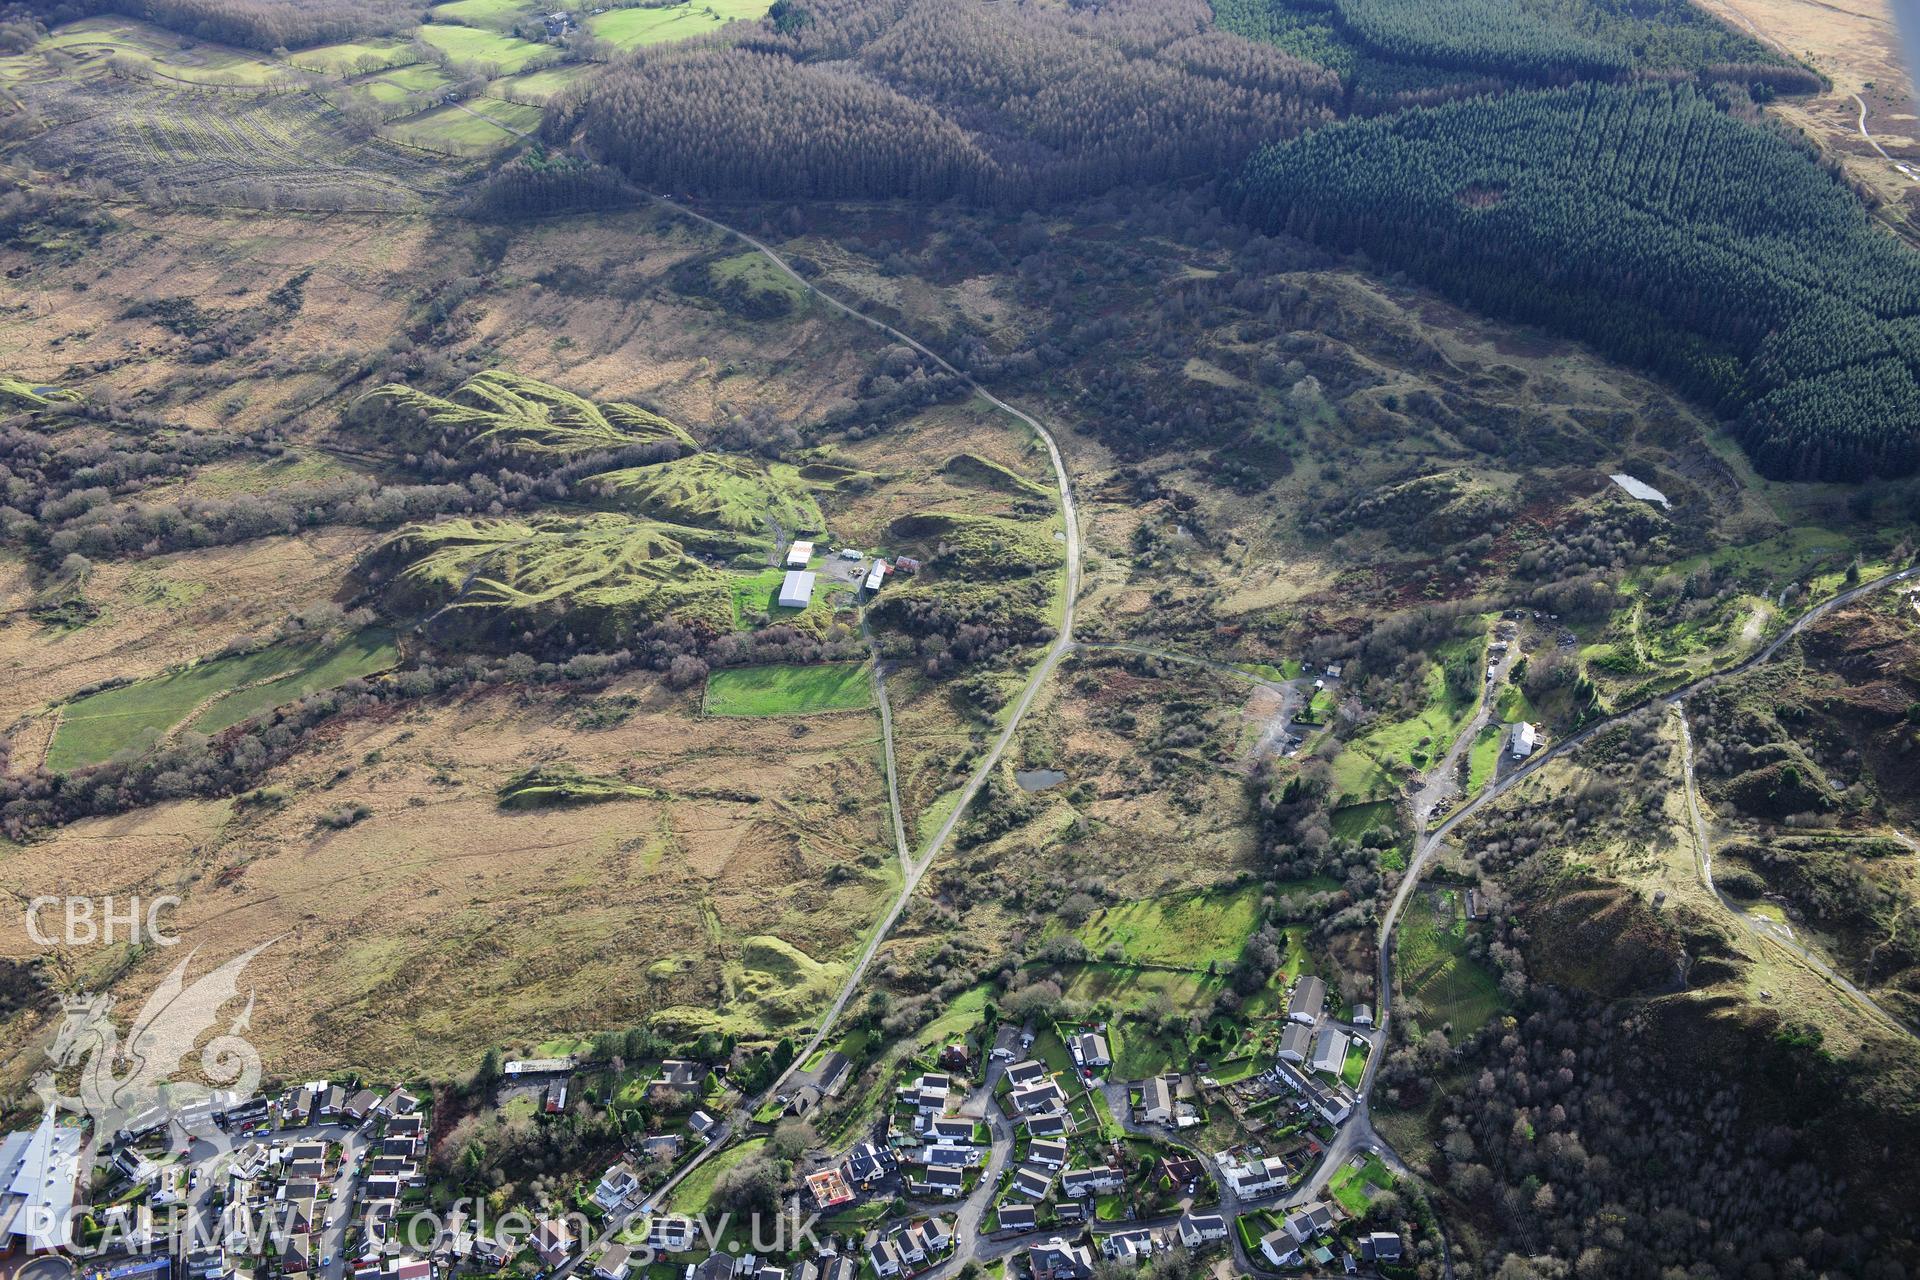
(1633, 1117)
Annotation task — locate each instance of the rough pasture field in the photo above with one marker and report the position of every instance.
(583, 303)
(154, 614)
(1189, 930)
(706, 489)
(732, 901)
(1434, 968)
(83, 49)
(225, 148)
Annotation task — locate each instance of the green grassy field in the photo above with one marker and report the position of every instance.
(1414, 743)
(421, 77)
(753, 272)
(1289, 669)
(351, 57)
(476, 46)
(96, 727)
(1356, 1064)
(498, 14)
(1512, 705)
(370, 651)
(631, 28)
(535, 86)
(479, 125)
(1350, 822)
(1139, 1051)
(1436, 970)
(1358, 774)
(782, 690)
(957, 1017)
(224, 479)
(1130, 988)
(692, 1195)
(758, 593)
(716, 492)
(165, 54)
(1483, 757)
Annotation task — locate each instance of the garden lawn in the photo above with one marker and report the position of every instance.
(1356, 1064)
(1349, 1184)
(1483, 757)
(785, 690)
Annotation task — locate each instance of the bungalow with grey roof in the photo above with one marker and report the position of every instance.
(1018, 1217)
(1309, 998)
(1032, 1182)
(1024, 1075)
(1050, 1152)
(1081, 1183)
(1089, 1049)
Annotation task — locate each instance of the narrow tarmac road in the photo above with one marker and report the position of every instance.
(1049, 661)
